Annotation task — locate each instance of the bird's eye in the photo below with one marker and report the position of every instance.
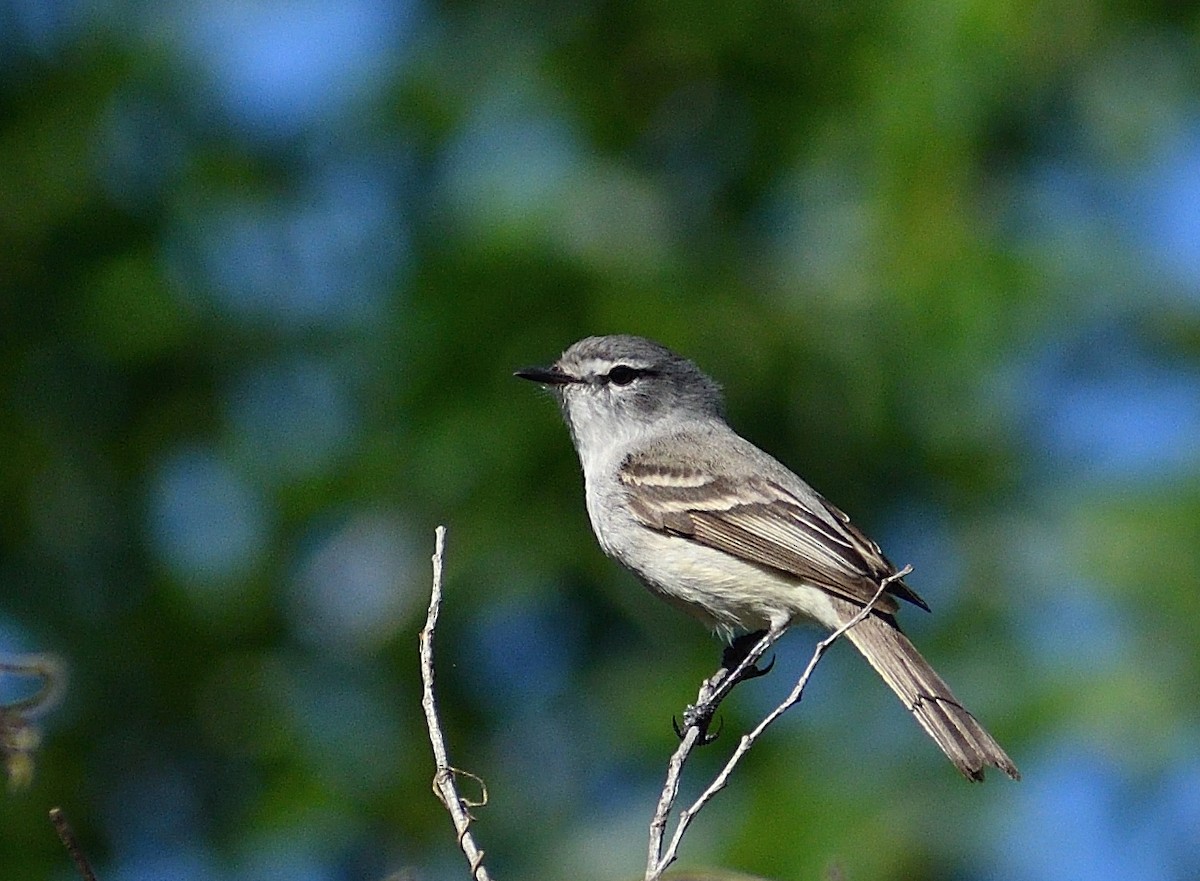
(622, 375)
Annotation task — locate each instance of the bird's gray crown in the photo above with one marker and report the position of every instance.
(631, 378)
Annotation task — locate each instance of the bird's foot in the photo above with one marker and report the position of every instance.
(698, 716)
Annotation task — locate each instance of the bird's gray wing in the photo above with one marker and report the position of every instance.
(761, 521)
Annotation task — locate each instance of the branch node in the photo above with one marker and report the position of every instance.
(444, 778)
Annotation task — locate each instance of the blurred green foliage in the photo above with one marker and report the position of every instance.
(265, 273)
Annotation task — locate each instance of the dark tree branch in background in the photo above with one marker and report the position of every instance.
(712, 692)
(444, 778)
(67, 836)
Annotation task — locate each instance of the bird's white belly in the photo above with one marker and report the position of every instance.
(726, 593)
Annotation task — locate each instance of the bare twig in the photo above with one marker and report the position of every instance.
(658, 824)
(444, 778)
(67, 836)
(711, 693)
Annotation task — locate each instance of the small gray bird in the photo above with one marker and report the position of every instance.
(720, 529)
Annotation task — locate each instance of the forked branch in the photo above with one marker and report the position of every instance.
(712, 692)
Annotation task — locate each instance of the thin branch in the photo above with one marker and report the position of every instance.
(444, 778)
(658, 824)
(712, 691)
(67, 836)
(658, 864)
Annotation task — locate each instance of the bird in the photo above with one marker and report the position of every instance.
(724, 531)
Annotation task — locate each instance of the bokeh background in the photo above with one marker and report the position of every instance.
(266, 268)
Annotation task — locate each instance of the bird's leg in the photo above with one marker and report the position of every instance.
(736, 652)
(738, 663)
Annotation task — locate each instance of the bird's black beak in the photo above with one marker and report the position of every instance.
(545, 375)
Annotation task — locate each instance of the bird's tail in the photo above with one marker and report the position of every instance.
(964, 741)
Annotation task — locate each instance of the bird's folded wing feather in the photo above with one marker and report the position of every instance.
(760, 521)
